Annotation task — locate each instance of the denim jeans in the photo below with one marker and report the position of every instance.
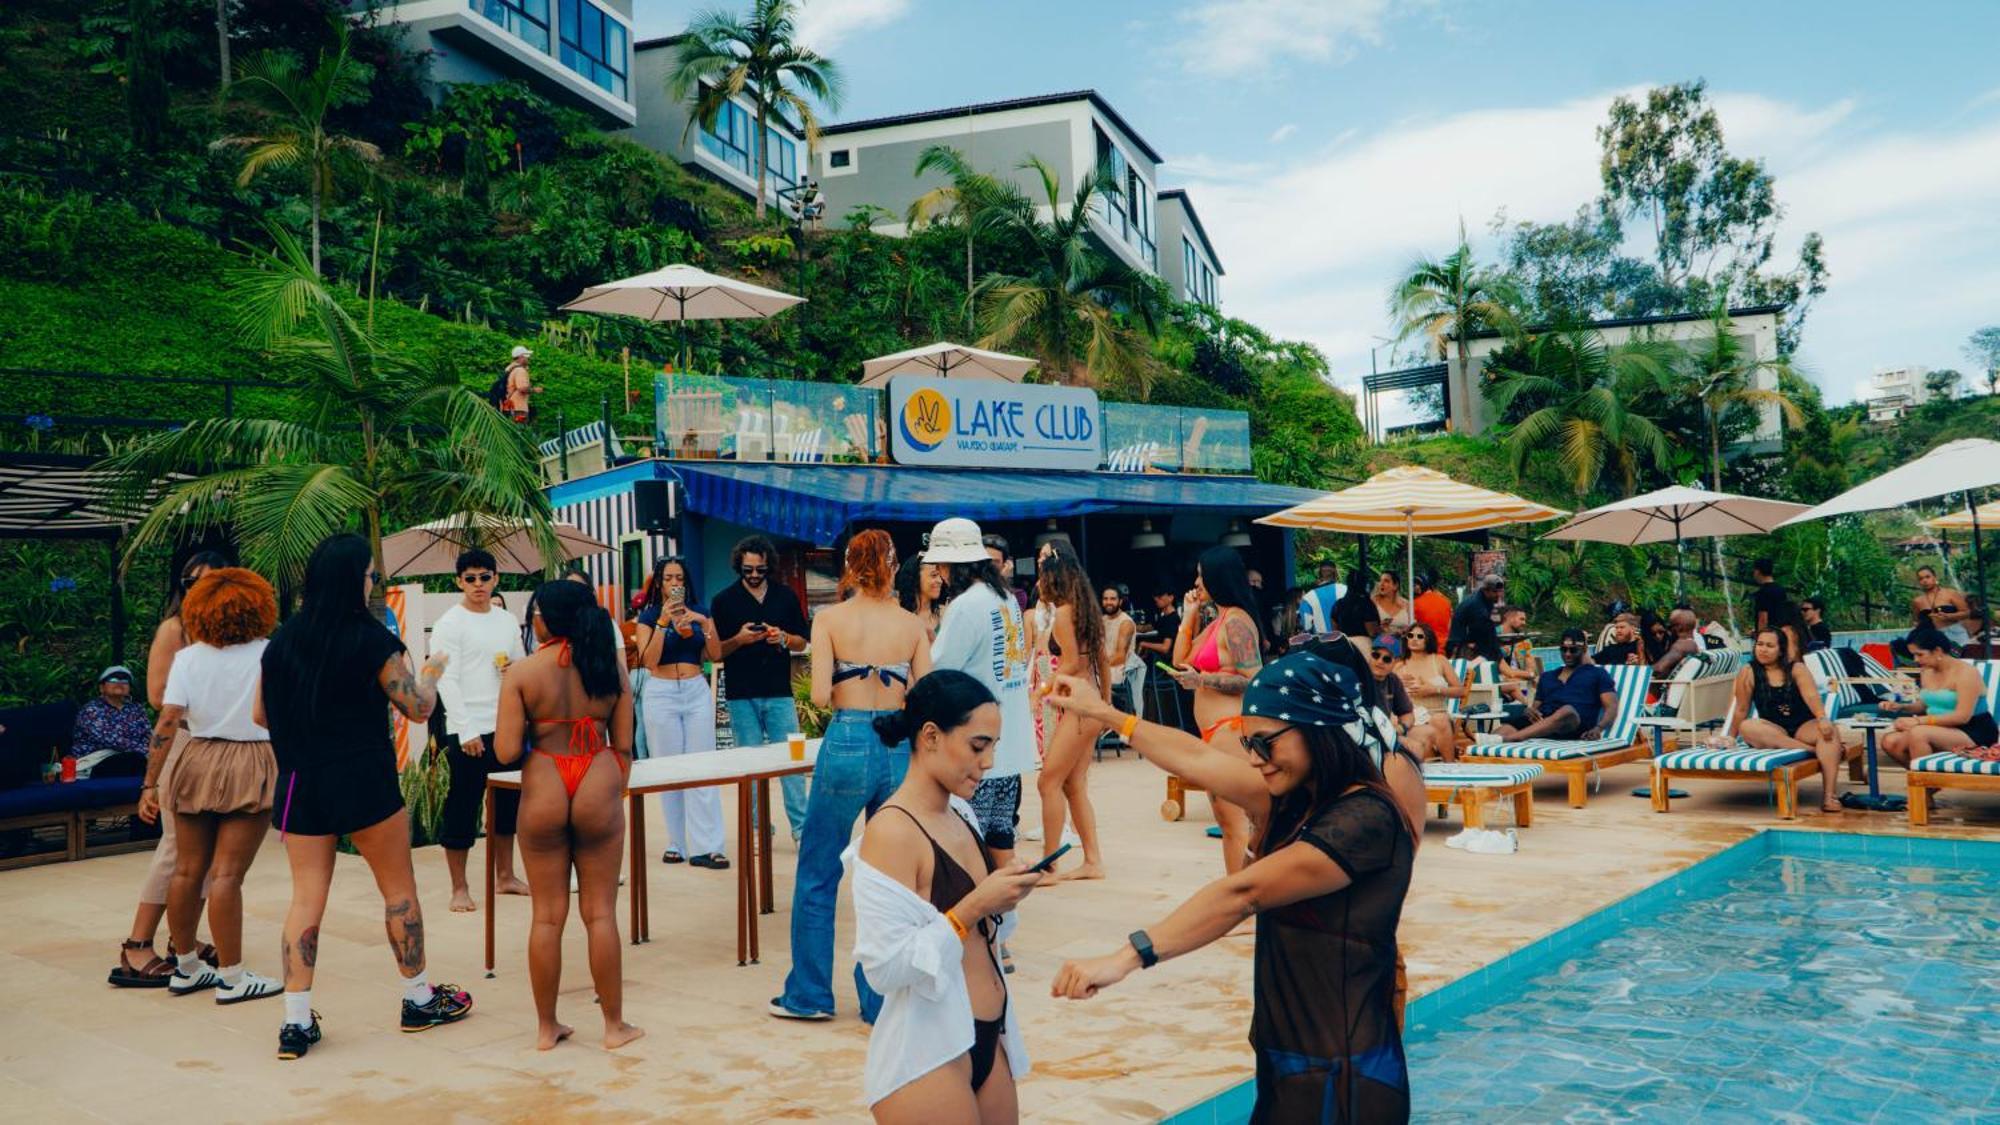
(761, 722)
(638, 678)
(854, 775)
(680, 715)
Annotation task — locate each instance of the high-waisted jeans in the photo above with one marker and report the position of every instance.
(680, 719)
(855, 773)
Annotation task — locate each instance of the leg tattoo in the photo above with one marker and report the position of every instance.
(410, 947)
(309, 947)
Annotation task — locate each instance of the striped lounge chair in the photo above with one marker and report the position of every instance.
(1694, 697)
(1469, 785)
(1955, 771)
(1578, 759)
(1844, 689)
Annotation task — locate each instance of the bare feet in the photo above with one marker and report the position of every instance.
(552, 1034)
(509, 885)
(1086, 871)
(461, 901)
(617, 1035)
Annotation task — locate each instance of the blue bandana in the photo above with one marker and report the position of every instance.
(1305, 690)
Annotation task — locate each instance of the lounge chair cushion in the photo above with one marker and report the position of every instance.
(76, 796)
(1478, 775)
(1548, 749)
(1739, 759)
(1949, 762)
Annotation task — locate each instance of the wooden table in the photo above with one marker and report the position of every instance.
(750, 769)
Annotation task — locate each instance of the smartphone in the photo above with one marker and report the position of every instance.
(1166, 668)
(1049, 860)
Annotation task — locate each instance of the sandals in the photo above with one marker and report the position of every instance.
(716, 862)
(672, 856)
(153, 974)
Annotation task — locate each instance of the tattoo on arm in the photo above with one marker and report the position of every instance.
(1241, 637)
(410, 693)
(409, 945)
(1223, 682)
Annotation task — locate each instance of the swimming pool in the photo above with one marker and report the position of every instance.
(1798, 976)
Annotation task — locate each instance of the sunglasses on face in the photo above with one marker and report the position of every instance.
(476, 576)
(1263, 745)
(746, 571)
(1382, 656)
(1572, 648)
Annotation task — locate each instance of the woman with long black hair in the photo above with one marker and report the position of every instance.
(1332, 868)
(570, 706)
(1076, 641)
(330, 675)
(676, 638)
(1216, 662)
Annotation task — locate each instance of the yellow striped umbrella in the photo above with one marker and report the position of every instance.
(1988, 513)
(1411, 500)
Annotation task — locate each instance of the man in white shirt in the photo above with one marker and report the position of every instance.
(480, 641)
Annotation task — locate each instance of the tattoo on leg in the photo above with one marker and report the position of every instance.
(309, 947)
(410, 946)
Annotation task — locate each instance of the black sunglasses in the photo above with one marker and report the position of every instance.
(1263, 745)
(753, 570)
(477, 576)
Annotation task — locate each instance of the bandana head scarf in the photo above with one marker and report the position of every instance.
(1304, 689)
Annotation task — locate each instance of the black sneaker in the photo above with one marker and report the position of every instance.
(449, 1004)
(294, 1041)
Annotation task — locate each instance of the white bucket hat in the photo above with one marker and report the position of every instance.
(955, 541)
(521, 352)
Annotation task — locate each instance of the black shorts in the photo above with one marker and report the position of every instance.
(997, 804)
(1982, 729)
(336, 798)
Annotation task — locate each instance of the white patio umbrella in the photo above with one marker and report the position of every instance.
(1965, 465)
(946, 360)
(1677, 513)
(682, 293)
(432, 548)
(1410, 501)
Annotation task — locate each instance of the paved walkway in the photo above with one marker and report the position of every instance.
(72, 1048)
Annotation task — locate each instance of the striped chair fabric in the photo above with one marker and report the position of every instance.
(1471, 775)
(1946, 762)
(1481, 672)
(1698, 666)
(1629, 681)
(1738, 759)
(1833, 679)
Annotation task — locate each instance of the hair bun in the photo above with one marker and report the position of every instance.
(893, 728)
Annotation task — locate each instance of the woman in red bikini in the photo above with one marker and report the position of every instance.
(569, 706)
(1216, 664)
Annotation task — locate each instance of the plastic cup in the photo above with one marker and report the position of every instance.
(797, 743)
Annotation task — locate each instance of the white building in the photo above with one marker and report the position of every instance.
(1895, 391)
(725, 151)
(577, 53)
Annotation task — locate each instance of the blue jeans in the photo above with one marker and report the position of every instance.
(761, 722)
(638, 678)
(854, 775)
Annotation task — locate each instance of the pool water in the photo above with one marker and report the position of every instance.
(1799, 976)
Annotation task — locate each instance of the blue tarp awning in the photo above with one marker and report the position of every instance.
(816, 503)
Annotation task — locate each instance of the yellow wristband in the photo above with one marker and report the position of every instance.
(957, 926)
(1126, 728)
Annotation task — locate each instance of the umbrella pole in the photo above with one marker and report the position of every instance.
(1979, 571)
(1680, 595)
(1410, 562)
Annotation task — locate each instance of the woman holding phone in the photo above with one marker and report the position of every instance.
(1216, 662)
(675, 639)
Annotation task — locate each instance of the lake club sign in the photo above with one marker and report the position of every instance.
(987, 423)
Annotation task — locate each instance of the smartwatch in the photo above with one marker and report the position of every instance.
(1143, 946)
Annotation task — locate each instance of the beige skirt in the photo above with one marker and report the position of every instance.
(215, 775)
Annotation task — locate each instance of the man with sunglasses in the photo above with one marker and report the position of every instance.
(761, 625)
(480, 641)
(1570, 701)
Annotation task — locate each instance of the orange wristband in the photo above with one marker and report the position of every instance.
(957, 926)
(1126, 728)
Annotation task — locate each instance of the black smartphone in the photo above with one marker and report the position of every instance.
(1049, 860)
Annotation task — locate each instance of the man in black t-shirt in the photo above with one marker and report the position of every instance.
(1769, 597)
(1474, 632)
(1624, 646)
(760, 625)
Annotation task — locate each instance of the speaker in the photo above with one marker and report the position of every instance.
(655, 506)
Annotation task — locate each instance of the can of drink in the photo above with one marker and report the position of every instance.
(797, 743)
(68, 768)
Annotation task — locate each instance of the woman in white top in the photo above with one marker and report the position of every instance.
(929, 907)
(1428, 677)
(1390, 603)
(224, 779)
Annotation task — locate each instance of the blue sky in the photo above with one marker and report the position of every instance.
(1328, 142)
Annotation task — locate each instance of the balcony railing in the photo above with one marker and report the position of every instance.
(715, 417)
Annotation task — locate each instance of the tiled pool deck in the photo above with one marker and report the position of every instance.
(71, 1048)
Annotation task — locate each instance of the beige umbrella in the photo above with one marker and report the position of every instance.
(682, 293)
(432, 548)
(1989, 518)
(1411, 500)
(1677, 513)
(946, 361)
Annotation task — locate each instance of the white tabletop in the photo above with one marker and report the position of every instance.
(709, 767)
(1862, 722)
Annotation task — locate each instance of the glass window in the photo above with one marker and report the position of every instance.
(594, 45)
(1189, 276)
(526, 20)
(839, 158)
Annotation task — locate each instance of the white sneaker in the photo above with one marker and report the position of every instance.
(1489, 842)
(203, 977)
(1032, 835)
(252, 986)
(1461, 840)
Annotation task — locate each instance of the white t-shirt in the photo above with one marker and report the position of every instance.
(470, 686)
(218, 686)
(982, 635)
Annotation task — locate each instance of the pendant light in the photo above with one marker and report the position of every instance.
(1147, 539)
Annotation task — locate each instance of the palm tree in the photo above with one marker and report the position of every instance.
(296, 103)
(1587, 417)
(971, 199)
(1449, 300)
(379, 431)
(1719, 373)
(726, 55)
(1064, 309)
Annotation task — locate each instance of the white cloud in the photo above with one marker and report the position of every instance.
(1249, 38)
(824, 23)
(1283, 133)
(1313, 236)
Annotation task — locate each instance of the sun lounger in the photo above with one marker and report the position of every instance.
(1583, 759)
(1469, 785)
(1956, 771)
(1847, 697)
(1782, 769)
(1695, 697)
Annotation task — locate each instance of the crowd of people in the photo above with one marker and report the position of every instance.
(946, 687)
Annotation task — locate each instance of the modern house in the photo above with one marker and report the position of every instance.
(874, 162)
(1895, 391)
(577, 53)
(726, 153)
(1188, 262)
(1466, 410)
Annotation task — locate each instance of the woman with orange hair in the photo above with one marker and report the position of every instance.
(866, 652)
(223, 781)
